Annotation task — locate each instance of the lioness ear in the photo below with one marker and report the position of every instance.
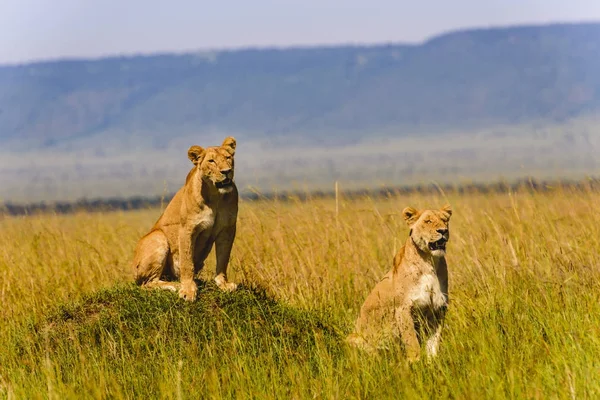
(410, 215)
(447, 209)
(195, 154)
(229, 145)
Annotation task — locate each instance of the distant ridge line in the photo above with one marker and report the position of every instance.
(325, 46)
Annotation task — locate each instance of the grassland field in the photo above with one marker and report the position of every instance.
(523, 321)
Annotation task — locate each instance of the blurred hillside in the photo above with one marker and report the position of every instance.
(460, 79)
(541, 82)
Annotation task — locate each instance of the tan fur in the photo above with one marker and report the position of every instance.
(410, 302)
(202, 213)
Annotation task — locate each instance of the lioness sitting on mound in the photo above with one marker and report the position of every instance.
(202, 212)
(410, 302)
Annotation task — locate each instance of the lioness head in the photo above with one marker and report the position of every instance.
(215, 164)
(429, 229)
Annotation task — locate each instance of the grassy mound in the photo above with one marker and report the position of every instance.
(150, 339)
(130, 314)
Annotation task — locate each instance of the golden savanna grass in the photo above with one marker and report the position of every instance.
(523, 321)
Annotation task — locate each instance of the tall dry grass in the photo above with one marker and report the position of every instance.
(524, 318)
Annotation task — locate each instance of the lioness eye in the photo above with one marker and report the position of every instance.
(212, 161)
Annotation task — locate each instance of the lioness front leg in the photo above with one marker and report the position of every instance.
(188, 288)
(408, 334)
(223, 245)
(433, 341)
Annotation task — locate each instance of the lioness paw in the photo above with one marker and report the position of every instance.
(227, 286)
(188, 291)
(356, 340)
(224, 285)
(413, 356)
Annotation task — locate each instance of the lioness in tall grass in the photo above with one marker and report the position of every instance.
(410, 302)
(202, 213)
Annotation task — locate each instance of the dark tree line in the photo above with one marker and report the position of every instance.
(136, 203)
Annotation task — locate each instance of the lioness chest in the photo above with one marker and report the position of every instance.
(428, 293)
(204, 221)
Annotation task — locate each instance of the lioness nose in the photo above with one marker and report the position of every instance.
(443, 231)
(226, 171)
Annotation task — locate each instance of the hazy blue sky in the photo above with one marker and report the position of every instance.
(42, 29)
